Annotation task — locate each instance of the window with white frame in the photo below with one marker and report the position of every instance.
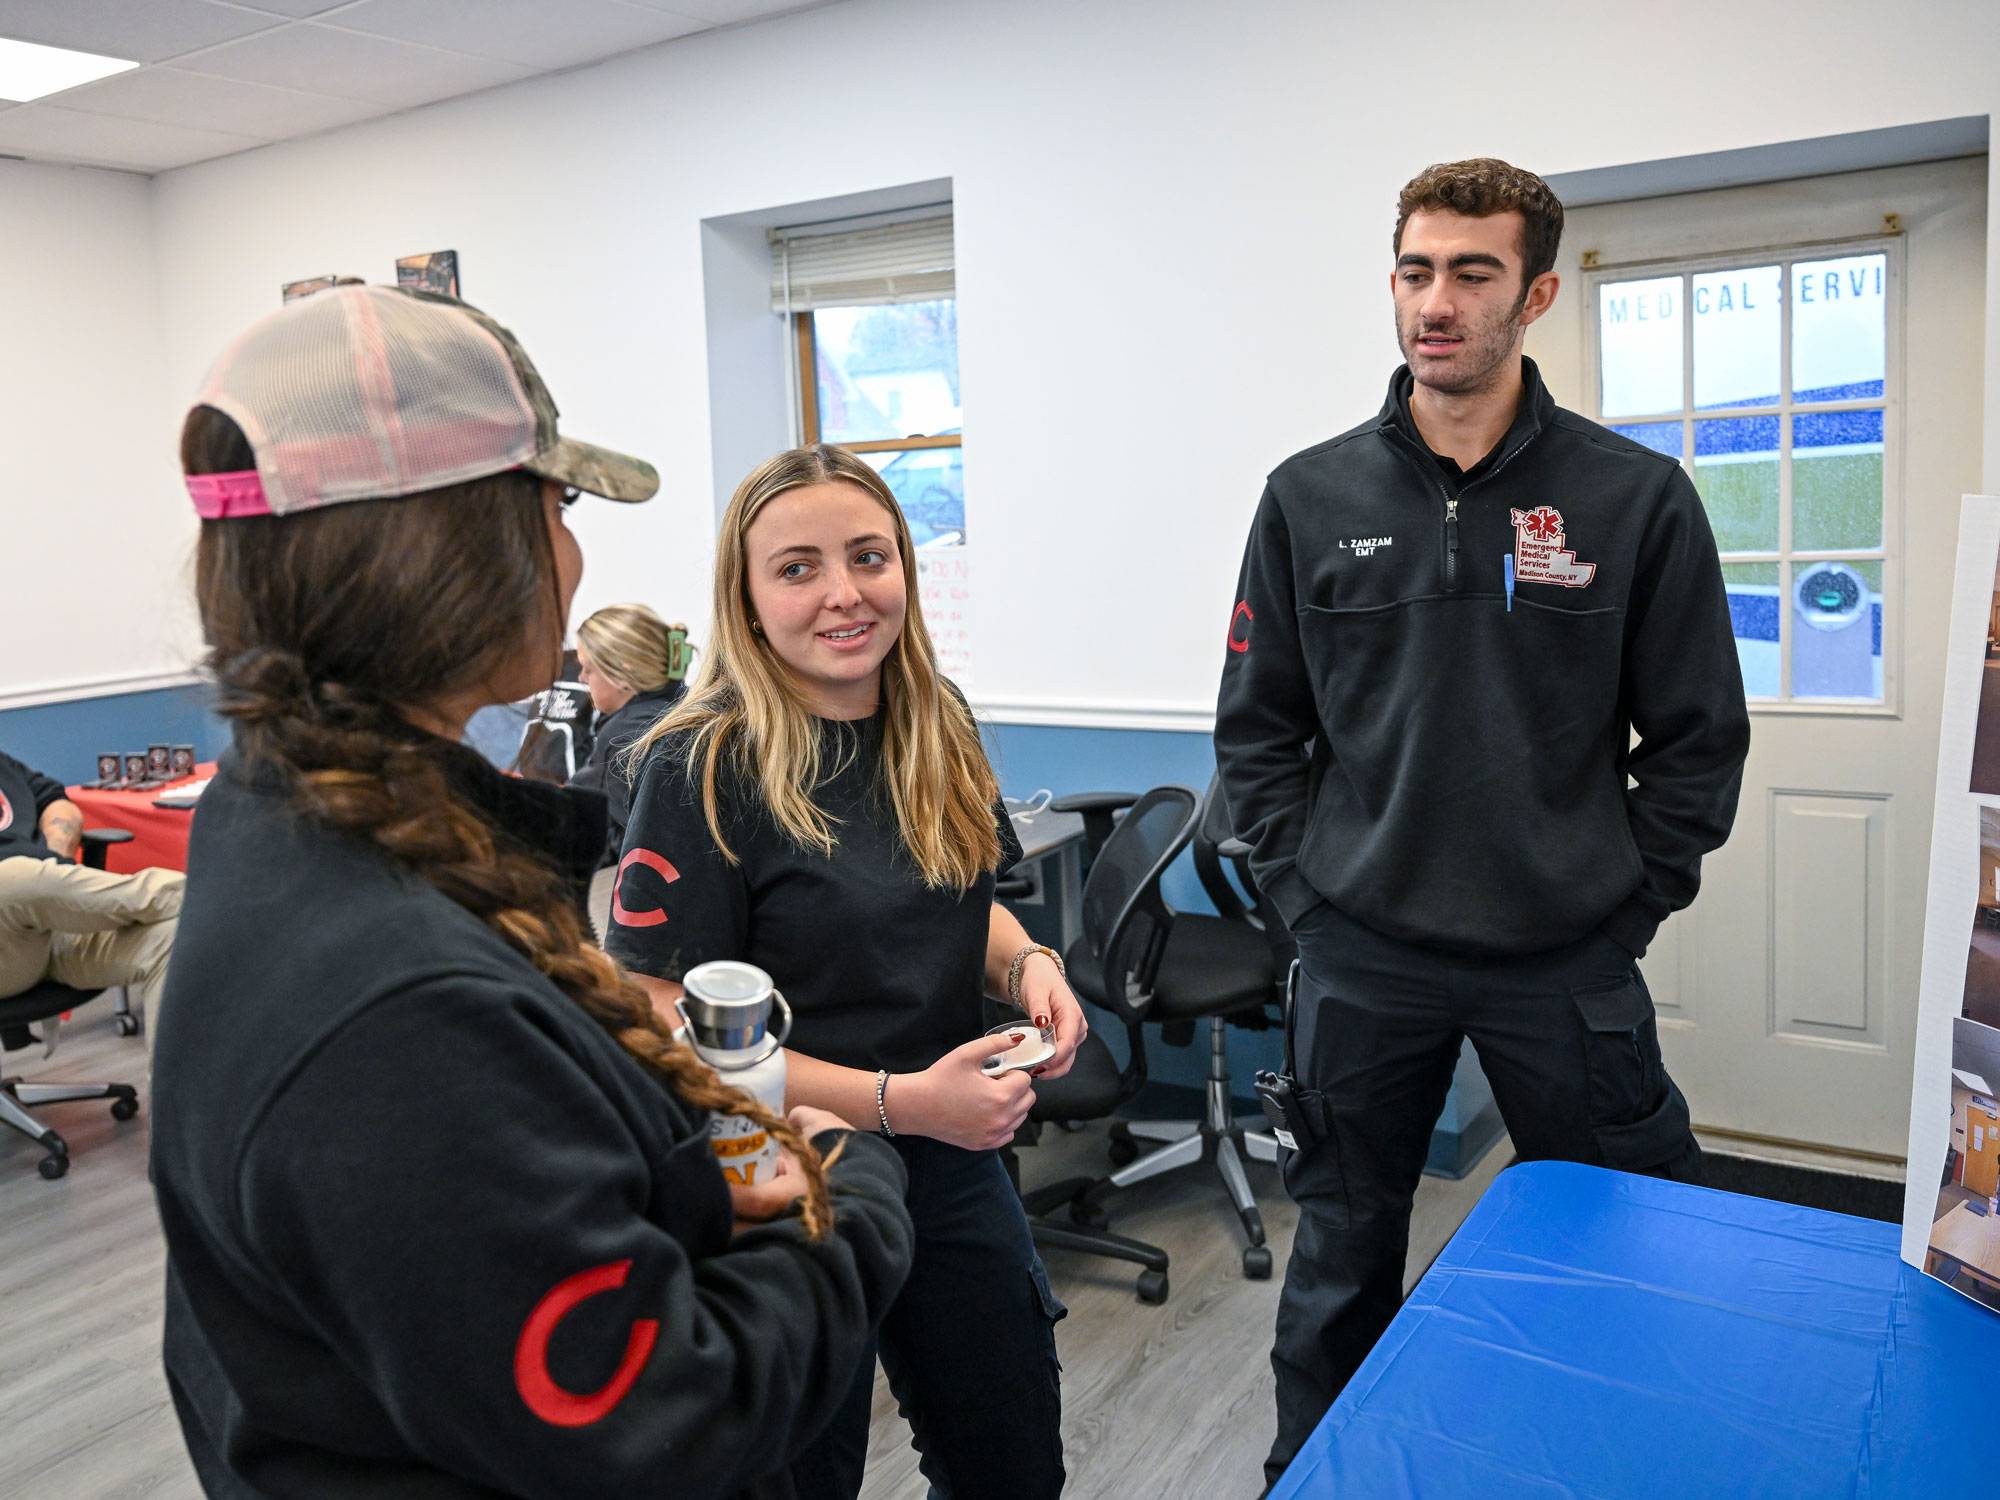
(1771, 377)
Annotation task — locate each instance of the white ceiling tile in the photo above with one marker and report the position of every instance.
(44, 132)
(533, 33)
(319, 59)
(139, 30)
(727, 12)
(202, 102)
(298, 10)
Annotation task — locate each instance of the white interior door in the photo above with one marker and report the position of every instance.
(1788, 992)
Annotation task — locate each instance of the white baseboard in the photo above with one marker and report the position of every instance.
(1084, 713)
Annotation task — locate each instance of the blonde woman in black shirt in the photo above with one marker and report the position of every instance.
(820, 805)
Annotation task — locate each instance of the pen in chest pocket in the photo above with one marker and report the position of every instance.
(1507, 573)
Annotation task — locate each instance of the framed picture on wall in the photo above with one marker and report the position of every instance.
(435, 272)
(297, 289)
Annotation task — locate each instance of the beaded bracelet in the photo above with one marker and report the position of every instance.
(1020, 963)
(881, 1100)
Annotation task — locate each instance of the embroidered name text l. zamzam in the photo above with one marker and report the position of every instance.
(1364, 546)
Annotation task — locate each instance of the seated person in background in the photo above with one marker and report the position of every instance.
(441, 1213)
(58, 920)
(626, 656)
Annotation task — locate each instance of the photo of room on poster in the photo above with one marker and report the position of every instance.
(1986, 737)
(1965, 1228)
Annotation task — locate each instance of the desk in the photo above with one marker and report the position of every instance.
(1592, 1334)
(1970, 1242)
(1052, 857)
(159, 834)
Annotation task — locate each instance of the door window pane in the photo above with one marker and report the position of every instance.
(1836, 632)
(1838, 321)
(1753, 616)
(1736, 471)
(1737, 318)
(929, 483)
(887, 372)
(1661, 437)
(1836, 480)
(1639, 346)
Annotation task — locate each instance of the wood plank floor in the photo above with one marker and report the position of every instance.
(84, 1413)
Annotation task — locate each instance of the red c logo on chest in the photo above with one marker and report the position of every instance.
(538, 1388)
(650, 916)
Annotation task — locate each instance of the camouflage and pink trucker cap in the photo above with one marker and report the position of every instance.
(362, 392)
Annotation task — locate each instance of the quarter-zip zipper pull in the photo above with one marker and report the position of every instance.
(1451, 543)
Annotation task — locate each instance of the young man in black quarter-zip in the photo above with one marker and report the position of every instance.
(1452, 621)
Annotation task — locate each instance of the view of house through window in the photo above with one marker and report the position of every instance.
(883, 381)
(1768, 378)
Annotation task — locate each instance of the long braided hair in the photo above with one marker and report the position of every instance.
(326, 627)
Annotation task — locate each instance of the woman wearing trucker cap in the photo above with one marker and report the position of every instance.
(440, 1208)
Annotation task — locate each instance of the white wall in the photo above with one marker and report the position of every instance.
(89, 478)
(1172, 238)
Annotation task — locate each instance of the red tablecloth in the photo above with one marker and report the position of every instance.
(159, 834)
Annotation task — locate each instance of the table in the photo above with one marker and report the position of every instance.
(159, 834)
(1592, 1334)
(1964, 1243)
(1052, 858)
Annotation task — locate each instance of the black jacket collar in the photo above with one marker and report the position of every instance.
(1536, 411)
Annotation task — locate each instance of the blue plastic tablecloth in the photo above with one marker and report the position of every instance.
(1596, 1335)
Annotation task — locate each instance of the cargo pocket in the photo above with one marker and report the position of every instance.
(1638, 1117)
(1312, 1174)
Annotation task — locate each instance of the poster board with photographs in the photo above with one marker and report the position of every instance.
(293, 290)
(1951, 1206)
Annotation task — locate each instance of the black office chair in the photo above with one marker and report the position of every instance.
(1225, 970)
(45, 1004)
(1112, 967)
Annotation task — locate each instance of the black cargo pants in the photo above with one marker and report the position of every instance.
(1567, 1040)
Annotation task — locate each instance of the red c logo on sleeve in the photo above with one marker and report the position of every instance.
(650, 916)
(1240, 642)
(546, 1399)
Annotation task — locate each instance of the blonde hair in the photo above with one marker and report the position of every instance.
(745, 710)
(631, 645)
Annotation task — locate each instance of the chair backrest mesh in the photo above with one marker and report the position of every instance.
(1124, 916)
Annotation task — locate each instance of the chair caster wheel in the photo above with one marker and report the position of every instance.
(1123, 1150)
(1153, 1287)
(53, 1165)
(1087, 1215)
(1257, 1263)
(124, 1109)
(128, 1025)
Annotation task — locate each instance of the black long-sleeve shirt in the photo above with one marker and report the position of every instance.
(606, 771)
(431, 1231)
(25, 794)
(1394, 739)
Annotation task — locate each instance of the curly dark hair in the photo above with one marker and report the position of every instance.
(1484, 186)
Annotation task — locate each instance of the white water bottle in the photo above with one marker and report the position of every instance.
(727, 1006)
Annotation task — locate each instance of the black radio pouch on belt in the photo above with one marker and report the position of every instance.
(1279, 1092)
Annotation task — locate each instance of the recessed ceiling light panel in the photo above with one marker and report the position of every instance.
(30, 71)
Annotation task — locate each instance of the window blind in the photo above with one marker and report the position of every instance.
(824, 265)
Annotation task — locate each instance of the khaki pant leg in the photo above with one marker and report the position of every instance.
(134, 956)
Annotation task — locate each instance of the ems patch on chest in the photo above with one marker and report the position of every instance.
(1539, 553)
